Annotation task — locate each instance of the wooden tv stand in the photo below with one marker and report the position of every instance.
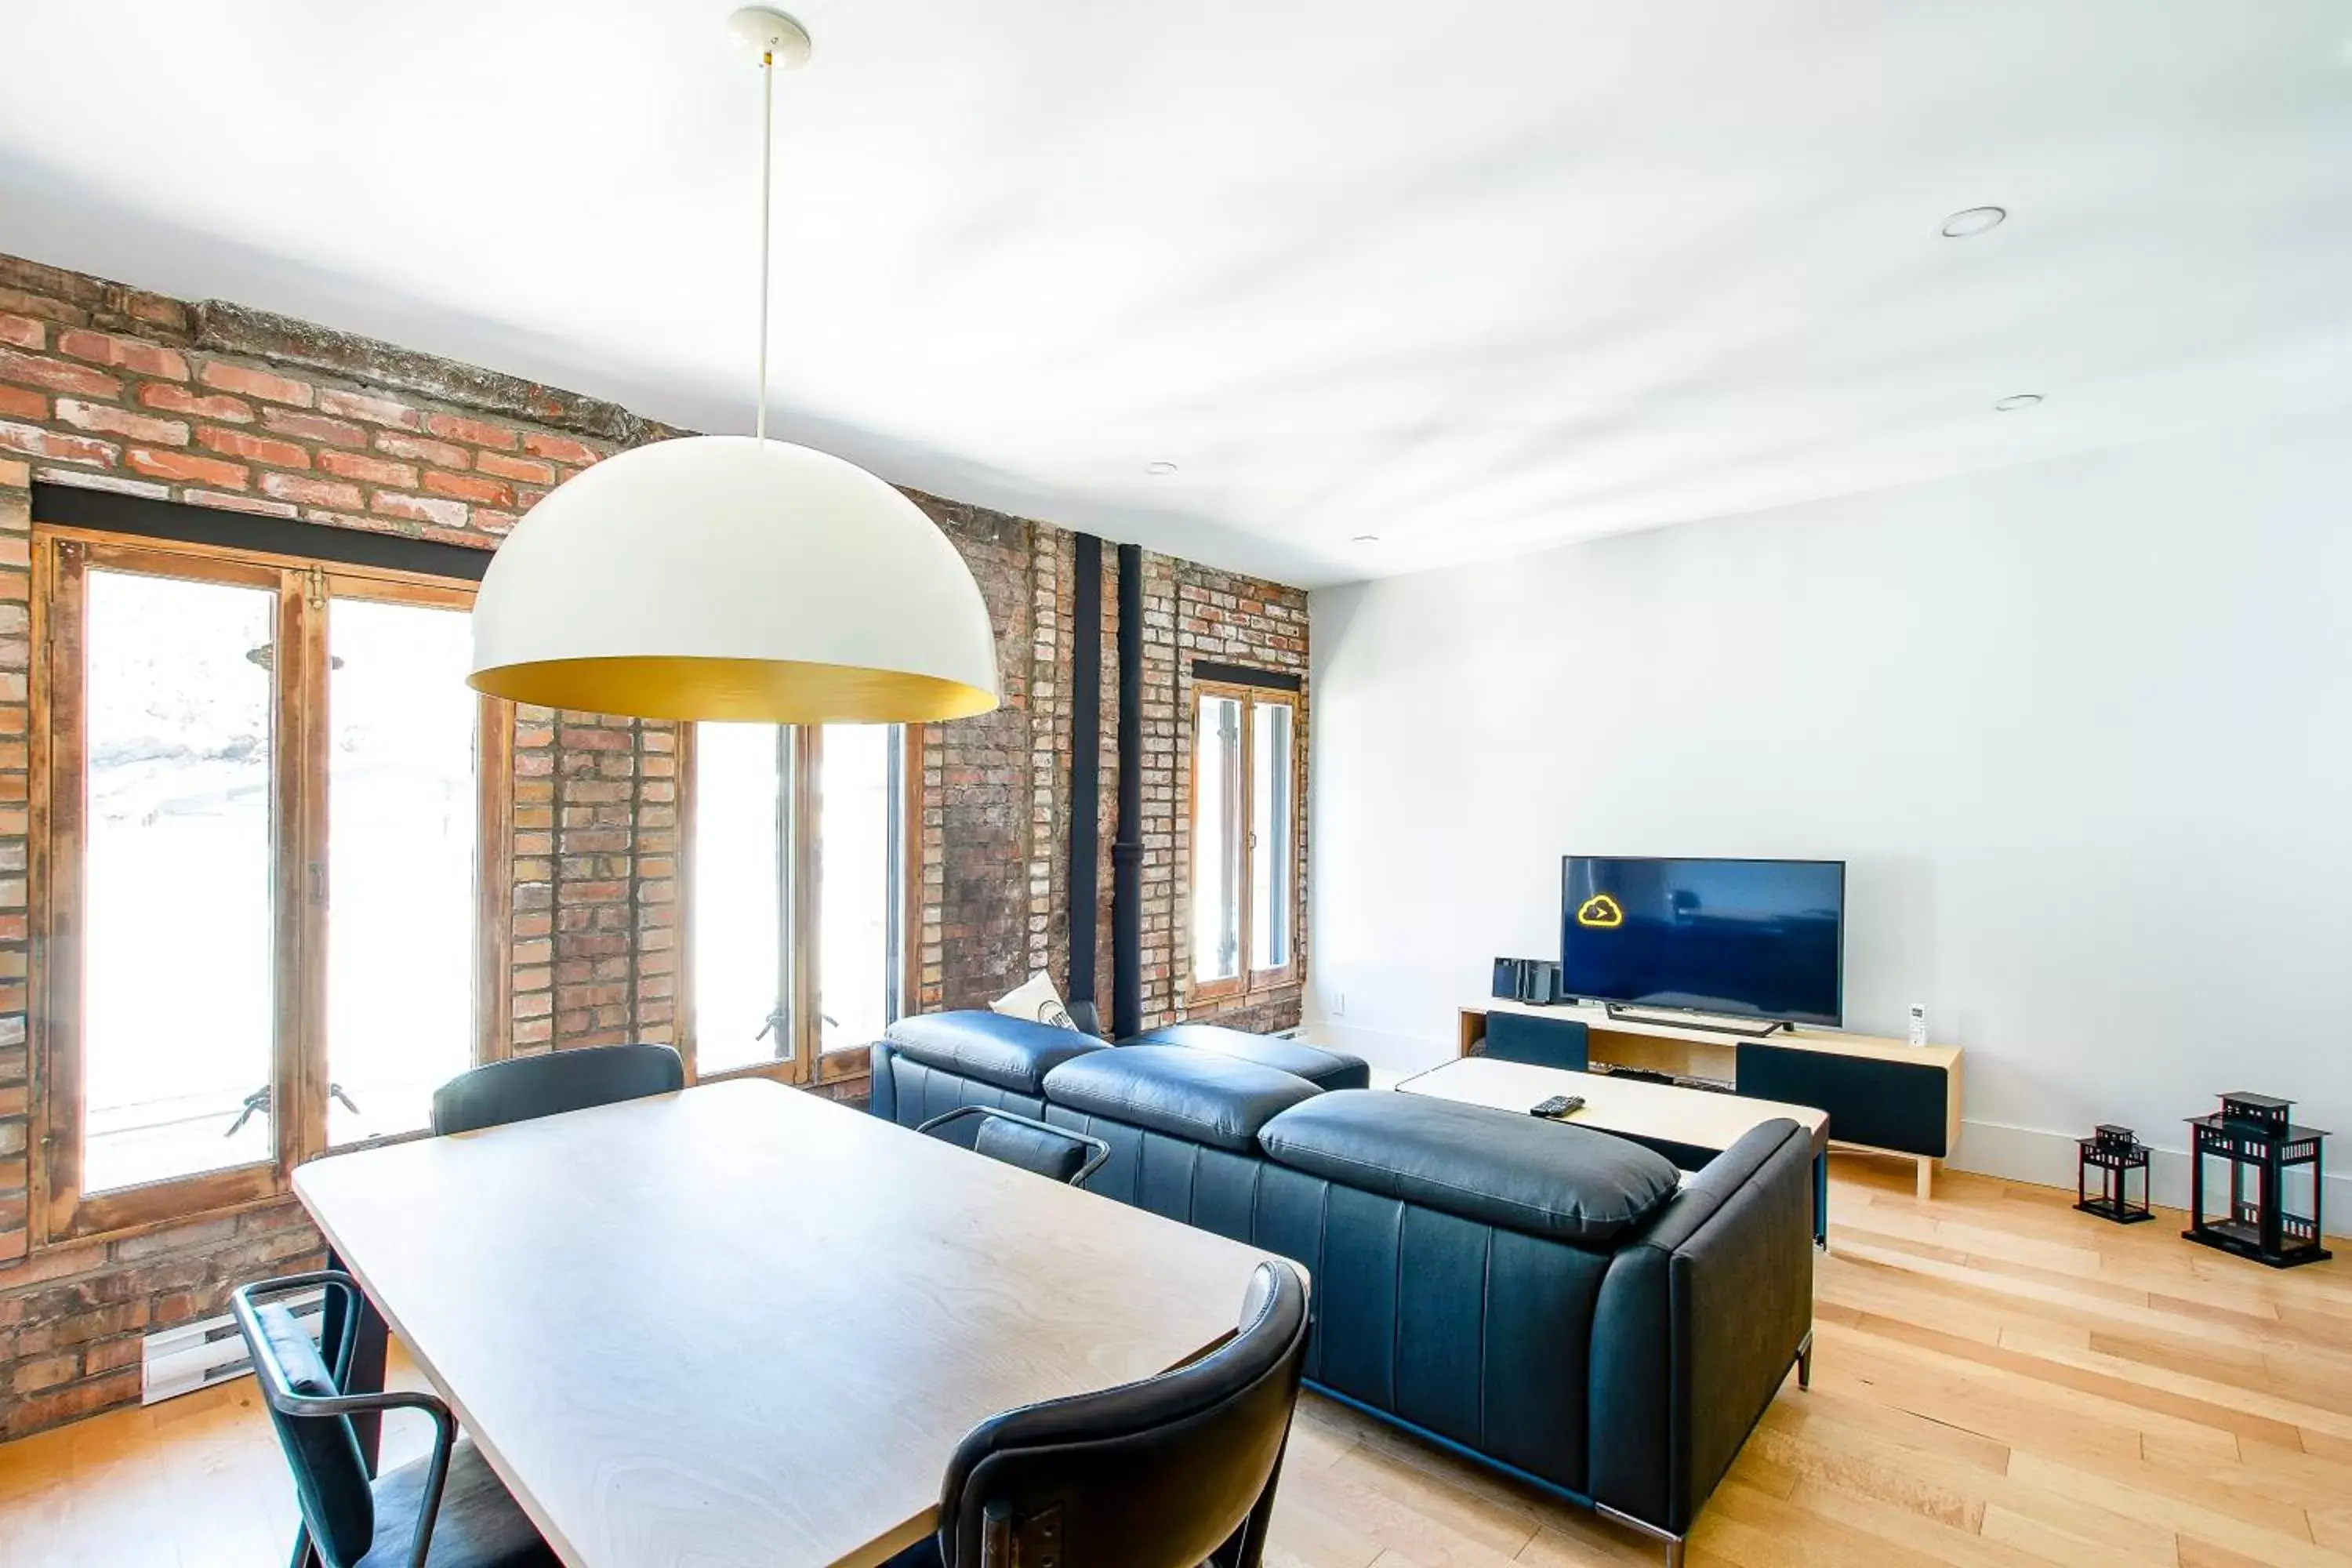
(1886, 1096)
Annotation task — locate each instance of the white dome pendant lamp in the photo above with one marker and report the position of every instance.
(734, 578)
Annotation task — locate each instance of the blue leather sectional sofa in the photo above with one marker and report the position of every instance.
(1552, 1301)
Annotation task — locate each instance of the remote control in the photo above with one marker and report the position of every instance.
(1559, 1107)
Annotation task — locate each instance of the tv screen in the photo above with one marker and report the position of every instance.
(1756, 939)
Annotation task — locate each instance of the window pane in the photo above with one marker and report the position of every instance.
(1217, 839)
(738, 978)
(403, 808)
(178, 1002)
(856, 891)
(1271, 903)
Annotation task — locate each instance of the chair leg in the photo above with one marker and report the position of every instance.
(1805, 1363)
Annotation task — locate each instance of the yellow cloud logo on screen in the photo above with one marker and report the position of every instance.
(1600, 912)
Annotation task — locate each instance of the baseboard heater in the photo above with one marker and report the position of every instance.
(176, 1361)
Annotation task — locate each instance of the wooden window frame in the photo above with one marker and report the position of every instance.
(61, 1210)
(807, 1064)
(1246, 982)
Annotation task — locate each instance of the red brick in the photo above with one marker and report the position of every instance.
(374, 410)
(109, 420)
(375, 470)
(259, 448)
(310, 492)
(312, 427)
(36, 442)
(124, 353)
(490, 492)
(222, 500)
(490, 521)
(70, 1403)
(24, 332)
(224, 377)
(446, 454)
(562, 448)
(420, 509)
(17, 404)
(188, 467)
(216, 407)
(529, 470)
(474, 432)
(56, 375)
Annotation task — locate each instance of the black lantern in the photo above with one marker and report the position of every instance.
(2115, 1153)
(2252, 1132)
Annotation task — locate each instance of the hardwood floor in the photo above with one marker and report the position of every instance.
(1998, 1381)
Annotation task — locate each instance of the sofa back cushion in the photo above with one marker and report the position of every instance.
(1012, 1053)
(1571, 1184)
(1324, 1070)
(1214, 1100)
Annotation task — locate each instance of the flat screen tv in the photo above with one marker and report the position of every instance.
(1748, 939)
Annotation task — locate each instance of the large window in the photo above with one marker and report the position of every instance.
(1244, 850)
(796, 940)
(260, 790)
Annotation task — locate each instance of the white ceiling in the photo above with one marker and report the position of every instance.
(1474, 278)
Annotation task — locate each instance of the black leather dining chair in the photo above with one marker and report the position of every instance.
(1171, 1472)
(522, 1087)
(445, 1511)
(1054, 1153)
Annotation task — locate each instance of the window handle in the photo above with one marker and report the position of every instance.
(318, 870)
(775, 1025)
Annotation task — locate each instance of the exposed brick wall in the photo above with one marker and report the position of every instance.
(213, 404)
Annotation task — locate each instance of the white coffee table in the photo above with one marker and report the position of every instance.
(1681, 1123)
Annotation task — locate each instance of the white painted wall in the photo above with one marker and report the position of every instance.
(2082, 731)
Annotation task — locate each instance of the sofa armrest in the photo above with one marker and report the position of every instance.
(1696, 1326)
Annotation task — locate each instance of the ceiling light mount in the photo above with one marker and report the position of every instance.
(1160, 467)
(1973, 221)
(766, 33)
(2010, 405)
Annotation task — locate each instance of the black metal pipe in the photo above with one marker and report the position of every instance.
(1127, 849)
(1086, 764)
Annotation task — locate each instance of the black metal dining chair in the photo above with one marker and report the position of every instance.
(1054, 1153)
(445, 1511)
(1170, 1472)
(522, 1087)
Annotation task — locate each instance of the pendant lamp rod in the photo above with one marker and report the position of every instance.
(773, 40)
(767, 146)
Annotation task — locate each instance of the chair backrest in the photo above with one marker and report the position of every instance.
(1056, 1156)
(1157, 1474)
(330, 1475)
(526, 1087)
(1056, 1153)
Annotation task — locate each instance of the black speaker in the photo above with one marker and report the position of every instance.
(1534, 980)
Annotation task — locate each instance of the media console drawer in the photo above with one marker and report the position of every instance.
(1893, 1105)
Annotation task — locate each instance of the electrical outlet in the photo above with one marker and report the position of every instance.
(1338, 1004)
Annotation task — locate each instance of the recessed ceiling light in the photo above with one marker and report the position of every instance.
(1365, 538)
(2011, 405)
(1975, 220)
(1160, 469)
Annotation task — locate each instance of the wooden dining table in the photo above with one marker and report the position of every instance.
(743, 1324)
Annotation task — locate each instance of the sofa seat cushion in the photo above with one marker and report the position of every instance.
(1209, 1099)
(1324, 1070)
(1519, 1171)
(1012, 1053)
